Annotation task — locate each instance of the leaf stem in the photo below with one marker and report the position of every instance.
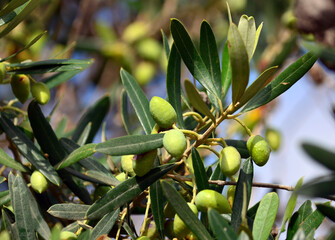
(243, 125)
(210, 149)
(196, 115)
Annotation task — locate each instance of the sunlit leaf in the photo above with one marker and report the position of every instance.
(247, 29)
(69, 211)
(10, 162)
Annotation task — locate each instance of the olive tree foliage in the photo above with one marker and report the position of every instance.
(66, 185)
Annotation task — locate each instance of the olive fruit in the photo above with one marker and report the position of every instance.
(174, 142)
(162, 112)
(274, 138)
(20, 84)
(40, 92)
(2, 72)
(151, 231)
(259, 149)
(4, 235)
(121, 177)
(144, 72)
(38, 182)
(67, 235)
(143, 163)
(100, 191)
(149, 48)
(180, 230)
(127, 164)
(208, 198)
(230, 161)
(169, 211)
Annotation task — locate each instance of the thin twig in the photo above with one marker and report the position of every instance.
(264, 185)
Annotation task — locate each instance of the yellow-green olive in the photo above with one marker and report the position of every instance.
(208, 198)
(40, 92)
(20, 84)
(180, 230)
(38, 182)
(259, 149)
(230, 161)
(174, 142)
(127, 164)
(162, 112)
(143, 163)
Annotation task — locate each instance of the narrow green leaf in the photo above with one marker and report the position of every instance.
(85, 235)
(220, 227)
(49, 143)
(70, 211)
(20, 17)
(318, 187)
(196, 100)
(78, 154)
(209, 53)
(41, 225)
(258, 33)
(165, 44)
(10, 162)
(157, 208)
(47, 66)
(124, 111)
(256, 86)
(199, 171)
(173, 84)
(12, 5)
(105, 224)
(125, 192)
(23, 217)
(58, 78)
(226, 71)
(4, 197)
(240, 145)
(32, 42)
(217, 175)
(184, 211)
(320, 154)
(247, 29)
(129, 231)
(136, 144)
(11, 15)
(239, 61)
(282, 82)
(245, 178)
(298, 217)
(312, 222)
(84, 135)
(94, 115)
(265, 216)
(107, 179)
(29, 150)
(191, 57)
(10, 224)
(290, 207)
(299, 235)
(326, 210)
(138, 100)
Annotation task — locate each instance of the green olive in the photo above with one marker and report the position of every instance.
(127, 164)
(143, 163)
(20, 84)
(100, 191)
(2, 71)
(67, 235)
(230, 161)
(180, 230)
(144, 72)
(174, 142)
(162, 112)
(274, 138)
(121, 177)
(40, 92)
(38, 182)
(208, 198)
(259, 149)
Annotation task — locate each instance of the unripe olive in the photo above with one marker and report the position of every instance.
(231, 195)
(151, 231)
(174, 142)
(121, 177)
(230, 161)
(4, 235)
(180, 230)
(127, 164)
(40, 92)
(208, 198)
(274, 138)
(135, 31)
(38, 182)
(67, 235)
(144, 72)
(149, 48)
(169, 211)
(20, 84)
(143, 163)
(162, 112)
(259, 149)
(2, 71)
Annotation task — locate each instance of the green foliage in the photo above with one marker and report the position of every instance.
(162, 164)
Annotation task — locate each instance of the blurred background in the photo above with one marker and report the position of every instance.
(127, 34)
